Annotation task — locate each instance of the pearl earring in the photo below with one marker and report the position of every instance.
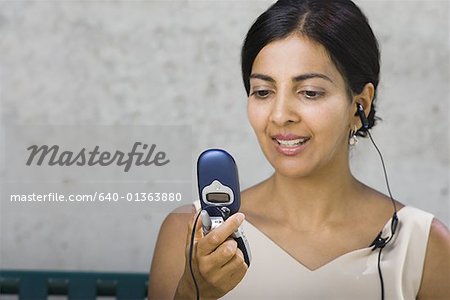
(353, 140)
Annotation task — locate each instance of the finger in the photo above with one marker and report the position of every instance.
(217, 236)
(240, 253)
(210, 264)
(236, 263)
(238, 274)
(231, 273)
(224, 253)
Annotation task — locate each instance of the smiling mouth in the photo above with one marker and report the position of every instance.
(291, 143)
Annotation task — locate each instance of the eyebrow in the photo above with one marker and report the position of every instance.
(262, 77)
(298, 78)
(312, 75)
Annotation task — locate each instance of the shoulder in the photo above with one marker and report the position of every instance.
(184, 210)
(436, 272)
(171, 237)
(169, 254)
(173, 230)
(179, 218)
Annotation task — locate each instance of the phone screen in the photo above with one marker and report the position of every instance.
(218, 197)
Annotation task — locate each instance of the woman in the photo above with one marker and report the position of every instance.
(312, 226)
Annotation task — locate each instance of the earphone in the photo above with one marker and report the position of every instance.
(362, 116)
(379, 242)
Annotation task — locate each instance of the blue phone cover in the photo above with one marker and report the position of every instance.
(217, 164)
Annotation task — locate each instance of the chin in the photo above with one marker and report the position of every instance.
(294, 173)
(292, 167)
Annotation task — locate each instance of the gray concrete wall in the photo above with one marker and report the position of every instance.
(176, 62)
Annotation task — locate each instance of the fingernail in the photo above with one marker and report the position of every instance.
(240, 217)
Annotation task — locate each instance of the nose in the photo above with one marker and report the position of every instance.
(284, 111)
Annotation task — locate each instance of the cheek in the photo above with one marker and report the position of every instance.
(257, 116)
(328, 119)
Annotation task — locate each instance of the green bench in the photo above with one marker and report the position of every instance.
(38, 285)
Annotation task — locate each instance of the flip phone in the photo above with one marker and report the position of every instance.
(218, 187)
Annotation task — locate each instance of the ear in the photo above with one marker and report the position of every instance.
(364, 98)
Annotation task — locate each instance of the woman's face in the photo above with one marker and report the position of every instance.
(299, 108)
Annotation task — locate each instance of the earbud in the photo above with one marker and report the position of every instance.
(362, 116)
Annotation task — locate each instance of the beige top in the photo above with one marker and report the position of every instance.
(274, 274)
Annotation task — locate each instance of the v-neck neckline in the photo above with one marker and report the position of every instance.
(384, 232)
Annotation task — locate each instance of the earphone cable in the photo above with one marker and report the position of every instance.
(380, 274)
(191, 250)
(385, 172)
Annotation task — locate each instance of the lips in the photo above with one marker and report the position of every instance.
(290, 144)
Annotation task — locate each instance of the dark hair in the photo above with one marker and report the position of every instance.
(338, 25)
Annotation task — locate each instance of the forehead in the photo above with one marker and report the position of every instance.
(293, 56)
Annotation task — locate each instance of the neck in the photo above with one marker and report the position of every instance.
(314, 201)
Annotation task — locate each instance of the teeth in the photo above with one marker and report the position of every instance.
(292, 143)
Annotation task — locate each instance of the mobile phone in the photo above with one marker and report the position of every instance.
(218, 187)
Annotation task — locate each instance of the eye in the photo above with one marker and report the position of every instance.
(312, 95)
(261, 94)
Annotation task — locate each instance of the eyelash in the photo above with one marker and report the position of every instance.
(257, 95)
(317, 94)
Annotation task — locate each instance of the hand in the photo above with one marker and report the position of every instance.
(218, 264)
